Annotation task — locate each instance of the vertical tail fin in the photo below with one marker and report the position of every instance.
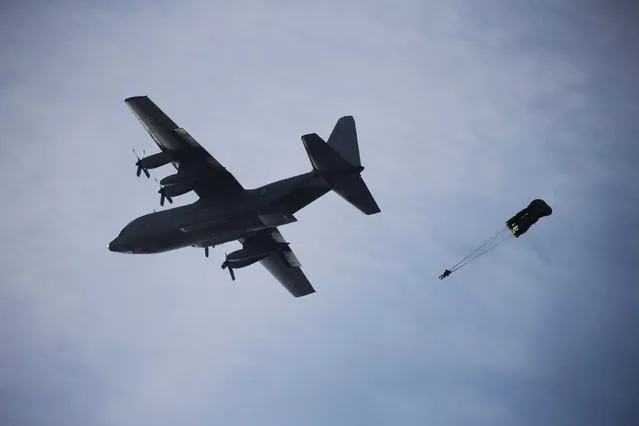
(343, 139)
(339, 163)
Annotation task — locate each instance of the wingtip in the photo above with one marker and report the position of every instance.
(372, 211)
(309, 135)
(135, 98)
(306, 293)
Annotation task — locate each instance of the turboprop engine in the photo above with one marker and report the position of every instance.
(168, 192)
(249, 255)
(151, 162)
(175, 185)
(177, 178)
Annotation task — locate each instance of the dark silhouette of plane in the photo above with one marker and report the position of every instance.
(225, 211)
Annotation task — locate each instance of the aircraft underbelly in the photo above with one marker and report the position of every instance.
(220, 231)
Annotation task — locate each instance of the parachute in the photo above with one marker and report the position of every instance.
(516, 226)
(522, 221)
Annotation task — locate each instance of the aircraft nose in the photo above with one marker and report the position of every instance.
(115, 245)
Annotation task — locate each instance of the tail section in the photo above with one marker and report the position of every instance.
(339, 163)
(343, 139)
(354, 190)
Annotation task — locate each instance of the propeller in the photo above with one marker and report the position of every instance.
(163, 194)
(226, 264)
(140, 168)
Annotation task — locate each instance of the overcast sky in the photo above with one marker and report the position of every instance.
(465, 113)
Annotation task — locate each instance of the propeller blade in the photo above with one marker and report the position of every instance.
(225, 264)
(163, 195)
(140, 168)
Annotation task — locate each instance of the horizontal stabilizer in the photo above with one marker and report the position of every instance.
(322, 156)
(354, 190)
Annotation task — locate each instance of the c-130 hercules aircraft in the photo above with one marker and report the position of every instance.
(225, 211)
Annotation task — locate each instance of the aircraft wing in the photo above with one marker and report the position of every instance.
(285, 267)
(190, 158)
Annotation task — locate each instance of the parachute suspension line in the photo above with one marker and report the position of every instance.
(469, 259)
(478, 255)
(494, 244)
(455, 266)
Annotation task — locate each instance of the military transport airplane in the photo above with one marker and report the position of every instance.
(225, 211)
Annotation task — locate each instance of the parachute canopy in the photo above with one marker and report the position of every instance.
(523, 220)
(518, 225)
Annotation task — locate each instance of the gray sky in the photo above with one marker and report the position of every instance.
(465, 112)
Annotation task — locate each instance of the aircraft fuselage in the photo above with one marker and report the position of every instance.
(204, 224)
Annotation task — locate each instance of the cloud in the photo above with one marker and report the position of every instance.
(464, 113)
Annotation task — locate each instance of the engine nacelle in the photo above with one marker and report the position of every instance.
(250, 255)
(154, 161)
(176, 190)
(176, 179)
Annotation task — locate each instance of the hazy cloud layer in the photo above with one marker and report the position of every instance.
(465, 113)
